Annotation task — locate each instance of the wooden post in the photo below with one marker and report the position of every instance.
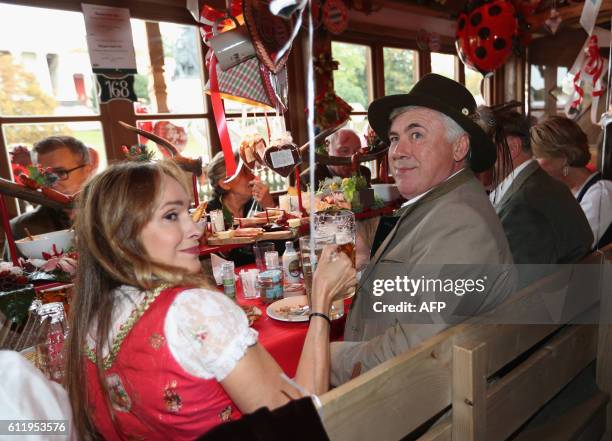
(156, 55)
(469, 391)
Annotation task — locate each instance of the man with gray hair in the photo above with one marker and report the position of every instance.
(73, 163)
(446, 232)
(345, 142)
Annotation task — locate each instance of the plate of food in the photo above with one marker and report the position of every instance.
(291, 309)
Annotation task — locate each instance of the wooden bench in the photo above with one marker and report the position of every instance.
(452, 370)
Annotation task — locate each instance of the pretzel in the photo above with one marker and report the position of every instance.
(199, 212)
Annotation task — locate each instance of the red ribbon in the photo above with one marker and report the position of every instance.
(209, 15)
(593, 66)
(298, 186)
(196, 196)
(9, 233)
(219, 112)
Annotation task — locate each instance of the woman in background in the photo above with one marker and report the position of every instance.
(561, 148)
(237, 196)
(152, 354)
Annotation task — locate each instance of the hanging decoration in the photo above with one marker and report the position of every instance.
(286, 8)
(269, 33)
(487, 33)
(248, 83)
(553, 21)
(211, 17)
(282, 156)
(528, 20)
(335, 16)
(588, 69)
(428, 41)
(247, 63)
(330, 109)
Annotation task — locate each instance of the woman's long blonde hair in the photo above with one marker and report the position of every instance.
(113, 209)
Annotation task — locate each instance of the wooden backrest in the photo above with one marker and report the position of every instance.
(400, 395)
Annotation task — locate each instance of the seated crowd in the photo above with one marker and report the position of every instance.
(155, 353)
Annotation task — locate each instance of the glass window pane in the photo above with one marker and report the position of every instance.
(353, 79)
(240, 127)
(174, 84)
(443, 64)
(189, 136)
(536, 88)
(90, 133)
(44, 70)
(473, 81)
(359, 123)
(400, 68)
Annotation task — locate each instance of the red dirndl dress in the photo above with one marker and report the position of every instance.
(152, 396)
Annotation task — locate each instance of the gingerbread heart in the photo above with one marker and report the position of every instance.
(270, 34)
(247, 154)
(259, 146)
(282, 158)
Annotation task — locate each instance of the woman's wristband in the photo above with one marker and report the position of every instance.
(320, 314)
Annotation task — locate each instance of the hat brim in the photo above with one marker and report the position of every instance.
(484, 153)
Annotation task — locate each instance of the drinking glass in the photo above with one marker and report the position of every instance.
(341, 226)
(249, 283)
(308, 260)
(260, 249)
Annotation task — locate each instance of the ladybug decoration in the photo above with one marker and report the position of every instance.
(487, 33)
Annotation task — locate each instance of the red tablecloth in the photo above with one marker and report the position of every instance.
(283, 340)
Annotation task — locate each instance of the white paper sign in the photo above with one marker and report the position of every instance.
(589, 15)
(109, 38)
(281, 158)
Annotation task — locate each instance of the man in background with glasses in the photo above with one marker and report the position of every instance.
(73, 163)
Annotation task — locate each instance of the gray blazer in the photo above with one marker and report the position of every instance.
(453, 224)
(543, 222)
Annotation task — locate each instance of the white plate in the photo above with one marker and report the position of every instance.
(273, 308)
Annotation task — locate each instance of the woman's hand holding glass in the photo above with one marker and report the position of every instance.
(335, 273)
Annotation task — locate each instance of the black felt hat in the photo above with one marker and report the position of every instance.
(448, 97)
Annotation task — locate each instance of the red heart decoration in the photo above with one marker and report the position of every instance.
(269, 33)
(282, 158)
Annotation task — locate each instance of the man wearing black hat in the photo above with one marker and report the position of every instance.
(445, 233)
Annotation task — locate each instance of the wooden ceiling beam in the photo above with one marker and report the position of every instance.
(570, 14)
(399, 5)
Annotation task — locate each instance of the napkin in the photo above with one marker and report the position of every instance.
(217, 265)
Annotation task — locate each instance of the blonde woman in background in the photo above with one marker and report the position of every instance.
(561, 148)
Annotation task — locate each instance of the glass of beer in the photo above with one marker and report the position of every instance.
(308, 259)
(340, 225)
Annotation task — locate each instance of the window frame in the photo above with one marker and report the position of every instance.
(113, 135)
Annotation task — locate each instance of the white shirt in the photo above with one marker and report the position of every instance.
(501, 189)
(597, 206)
(417, 197)
(206, 332)
(26, 394)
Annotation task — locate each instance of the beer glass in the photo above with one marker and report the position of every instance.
(308, 260)
(340, 225)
